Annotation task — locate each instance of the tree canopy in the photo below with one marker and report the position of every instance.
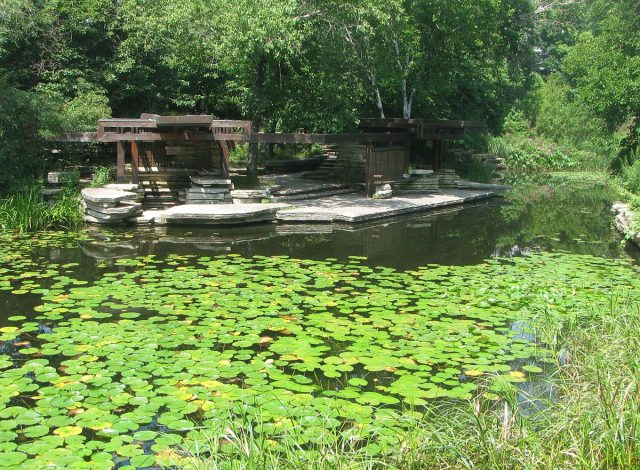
(316, 65)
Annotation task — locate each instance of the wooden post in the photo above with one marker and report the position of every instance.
(368, 170)
(407, 156)
(224, 159)
(120, 161)
(437, 154)
(135, 162)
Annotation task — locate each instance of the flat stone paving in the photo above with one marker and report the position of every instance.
(356, 208)
(349, 208)
(218, 214)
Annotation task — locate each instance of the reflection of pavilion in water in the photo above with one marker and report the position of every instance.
(452, 236)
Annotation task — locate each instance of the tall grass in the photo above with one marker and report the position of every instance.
(591, 422)
(27, 210)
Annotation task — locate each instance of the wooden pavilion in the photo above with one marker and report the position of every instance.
(164, 151)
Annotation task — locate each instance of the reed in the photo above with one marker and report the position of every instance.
(27, 211)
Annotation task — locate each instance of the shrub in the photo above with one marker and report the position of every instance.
(522, 153)
(631, 177)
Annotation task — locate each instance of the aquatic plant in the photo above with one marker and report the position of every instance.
(149, 363)
(25, 211)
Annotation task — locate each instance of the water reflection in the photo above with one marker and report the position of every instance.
(578, 221)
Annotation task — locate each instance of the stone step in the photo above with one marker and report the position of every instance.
(311, 189)
(317, 195)
(106, 197)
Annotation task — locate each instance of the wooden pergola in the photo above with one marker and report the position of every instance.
(377, 133)
(437, 131)
(154, 128)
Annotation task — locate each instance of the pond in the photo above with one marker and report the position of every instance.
(131, 348)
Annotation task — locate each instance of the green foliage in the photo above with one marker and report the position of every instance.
(631, 176)
(568, 120)
(102, 175)
(591, 100)
(524, 153)
(26, 210)
(21, 154)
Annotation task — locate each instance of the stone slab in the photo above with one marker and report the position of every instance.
(94, 220)
(356, 208)
(625, 221)
(206, 196)
(209, 181)
(247, 200)
(59, 177)
(206, 190)
(103, 195)
(130, 187)
(218, 214)
(126, 209)
(48, 192)
(250, 193)
(112, 217)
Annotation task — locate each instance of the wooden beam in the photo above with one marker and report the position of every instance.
(230, 123)
(187, 120)
(264, 138)
(391, 123)
(368, 171)
(135, 161)
(120, 123)
(283, 138)
(120, 162)
(424, 126)
(159, 136)
(232, 137)
(437, 154)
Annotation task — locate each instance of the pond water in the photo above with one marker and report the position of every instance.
(117, 346)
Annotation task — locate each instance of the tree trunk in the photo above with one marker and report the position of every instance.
(256, 119)
(379, 103)
(407, 101)
(376, 91)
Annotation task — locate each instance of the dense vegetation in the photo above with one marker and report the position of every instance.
(286, 65)
(564, 74)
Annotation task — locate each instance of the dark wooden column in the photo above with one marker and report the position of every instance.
(120, 161)
(135, 161)
(368, 172)
(224, 158)
(437, 154)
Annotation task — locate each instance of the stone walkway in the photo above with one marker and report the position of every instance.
(353, 208)
(347, 208)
